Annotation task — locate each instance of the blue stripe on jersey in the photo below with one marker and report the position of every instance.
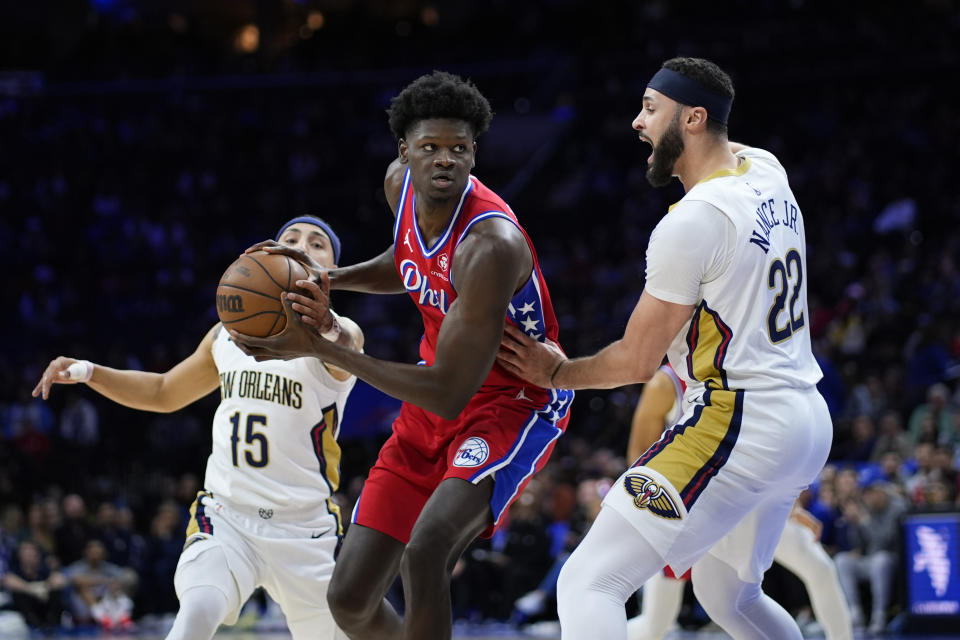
(356, 508)
(429, 253)
(399, 212)
(203, 522)
(493, 213)
(520, 462)
(526, 309)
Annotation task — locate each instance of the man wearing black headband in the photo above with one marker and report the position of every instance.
(725, 298)
(266, 516)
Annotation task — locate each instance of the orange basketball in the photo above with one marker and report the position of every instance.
(249, 293)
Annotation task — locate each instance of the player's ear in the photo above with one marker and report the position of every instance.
(402, 148)
(473, 160)
(696, 119)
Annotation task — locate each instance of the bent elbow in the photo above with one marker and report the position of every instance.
(451, 408)
(450, 403)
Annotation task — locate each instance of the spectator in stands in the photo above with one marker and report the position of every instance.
(74, 529)
(873, 530)
(163, 546)
(891, 438)
(114, 527)
(101, 591)
(933, 421)
(42, 519)
(924, 471)
(36, 588)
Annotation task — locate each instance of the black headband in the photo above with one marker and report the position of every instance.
(691, 93)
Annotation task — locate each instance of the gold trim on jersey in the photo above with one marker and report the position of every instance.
(691, 453)
(193, 526)
(741, 169)
(328, 453)
(708, 340)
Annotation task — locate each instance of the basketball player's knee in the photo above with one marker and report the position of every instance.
(569, 585)
(721, 600)
(202, 609)
(350, 601)
(708, 596)
(426, 554)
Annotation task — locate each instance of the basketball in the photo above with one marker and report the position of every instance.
(250, 290)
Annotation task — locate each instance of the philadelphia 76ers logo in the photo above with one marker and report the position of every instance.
(472, 453)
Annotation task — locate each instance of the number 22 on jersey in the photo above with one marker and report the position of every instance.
(785, 279)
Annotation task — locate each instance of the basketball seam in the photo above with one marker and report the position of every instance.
(259, 293)
(289, 277)
(265, 270)
(253, 315)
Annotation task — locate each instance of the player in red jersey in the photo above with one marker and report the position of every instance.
(470, 434)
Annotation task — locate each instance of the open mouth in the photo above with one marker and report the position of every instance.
(442, 181)
(652, 150)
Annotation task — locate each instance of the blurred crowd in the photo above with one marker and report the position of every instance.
(124, 202)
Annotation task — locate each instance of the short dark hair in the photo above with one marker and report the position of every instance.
(710, 76)
(439, 95)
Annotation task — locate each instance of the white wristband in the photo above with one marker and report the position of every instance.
(81, 371)
(334, 332)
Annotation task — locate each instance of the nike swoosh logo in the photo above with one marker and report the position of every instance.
(321, 534)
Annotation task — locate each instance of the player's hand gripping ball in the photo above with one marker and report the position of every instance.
(250, 293)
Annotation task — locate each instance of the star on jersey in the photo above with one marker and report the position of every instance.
(529, 326)
(528, 309)
(558, 405)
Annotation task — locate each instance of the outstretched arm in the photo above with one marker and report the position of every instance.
(633, 358)
(188, 381)
(490, 264)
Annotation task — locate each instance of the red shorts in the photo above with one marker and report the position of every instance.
(501, 433)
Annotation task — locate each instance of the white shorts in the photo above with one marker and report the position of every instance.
(725, 478)
(292, 562)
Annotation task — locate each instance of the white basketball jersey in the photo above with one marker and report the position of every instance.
(275, 451)
(750, 329)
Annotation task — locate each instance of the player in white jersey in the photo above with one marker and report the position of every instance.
(660, 407)
(725, 298)
(266, 516)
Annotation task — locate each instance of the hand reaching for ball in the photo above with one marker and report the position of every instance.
(301, 336)
(315, 309)
(313, 267)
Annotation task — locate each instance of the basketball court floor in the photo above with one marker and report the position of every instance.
(477, 633)
(680, 635)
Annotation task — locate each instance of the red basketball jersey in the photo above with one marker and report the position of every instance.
(426, 272)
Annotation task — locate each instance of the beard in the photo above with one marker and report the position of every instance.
(665, 155)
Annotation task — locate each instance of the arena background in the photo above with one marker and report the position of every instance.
(144, 144)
